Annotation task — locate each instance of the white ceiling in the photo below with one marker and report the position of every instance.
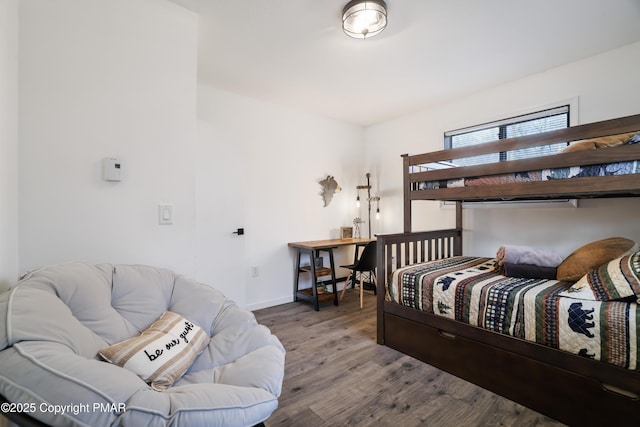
(294, 53)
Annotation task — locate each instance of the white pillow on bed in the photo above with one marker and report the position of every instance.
(615, 280)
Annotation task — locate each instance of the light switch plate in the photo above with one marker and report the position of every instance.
(165, 214)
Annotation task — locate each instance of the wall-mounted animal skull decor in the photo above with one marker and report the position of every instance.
(329, 188)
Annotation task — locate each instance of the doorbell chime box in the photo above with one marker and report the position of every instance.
(111, 169)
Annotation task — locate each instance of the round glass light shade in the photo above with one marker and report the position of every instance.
(362, 19)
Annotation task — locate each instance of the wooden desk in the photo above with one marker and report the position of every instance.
(313, 248)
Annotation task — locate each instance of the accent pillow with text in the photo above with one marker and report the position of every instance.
(162, 353)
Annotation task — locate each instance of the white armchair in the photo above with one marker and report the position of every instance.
(56, 321)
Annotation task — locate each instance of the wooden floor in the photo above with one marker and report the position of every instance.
(336, 375)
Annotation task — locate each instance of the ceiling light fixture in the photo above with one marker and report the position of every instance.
(362, 19)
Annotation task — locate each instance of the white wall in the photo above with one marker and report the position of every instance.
(8, 142)
(259, 167)
(8, 147)
(607, 86)
(118, 78)
(98, 79)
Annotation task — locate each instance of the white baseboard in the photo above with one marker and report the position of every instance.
(269, 303)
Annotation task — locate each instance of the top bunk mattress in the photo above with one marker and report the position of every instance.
(599, 159)
(604, 169)
(471, 290)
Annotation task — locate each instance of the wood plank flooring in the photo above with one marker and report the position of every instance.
(336, 375)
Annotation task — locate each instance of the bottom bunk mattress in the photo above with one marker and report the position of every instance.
(472, 290)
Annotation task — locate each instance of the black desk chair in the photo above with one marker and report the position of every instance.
(366, 263)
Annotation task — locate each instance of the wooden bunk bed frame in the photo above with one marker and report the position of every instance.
(571, 389)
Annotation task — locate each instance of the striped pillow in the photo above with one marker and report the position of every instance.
(615, 280)
(162, 353)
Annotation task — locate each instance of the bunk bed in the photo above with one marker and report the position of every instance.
(575, 389)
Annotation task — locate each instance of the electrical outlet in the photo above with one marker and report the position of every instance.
(255, 271)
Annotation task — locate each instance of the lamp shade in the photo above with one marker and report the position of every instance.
(362, 19)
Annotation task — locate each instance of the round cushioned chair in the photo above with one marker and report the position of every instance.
(57, 322)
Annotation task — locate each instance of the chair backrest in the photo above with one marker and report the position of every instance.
(367, 261)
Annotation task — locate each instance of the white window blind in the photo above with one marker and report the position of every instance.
(541, 121)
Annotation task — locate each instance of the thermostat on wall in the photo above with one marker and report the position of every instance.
(111, 169)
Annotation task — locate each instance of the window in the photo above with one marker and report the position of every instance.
(542, 121)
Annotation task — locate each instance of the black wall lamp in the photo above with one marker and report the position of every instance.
(370, 200)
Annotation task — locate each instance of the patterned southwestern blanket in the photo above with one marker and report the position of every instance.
(470, 290)
(621, 168)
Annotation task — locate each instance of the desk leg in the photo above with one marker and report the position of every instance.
(333, 277)
(314, 280)
(312, 296)
(297, 277)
